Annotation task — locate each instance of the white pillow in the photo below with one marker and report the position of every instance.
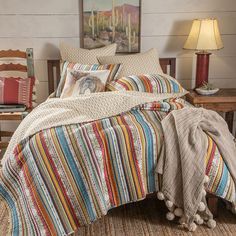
(135, 64)
(85, 56)
(84, 82)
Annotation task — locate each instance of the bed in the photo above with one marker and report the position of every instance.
(168, 66)
(72, 162)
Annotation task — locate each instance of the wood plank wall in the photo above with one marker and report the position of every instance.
(165, 25)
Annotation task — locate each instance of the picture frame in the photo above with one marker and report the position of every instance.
(103, 22)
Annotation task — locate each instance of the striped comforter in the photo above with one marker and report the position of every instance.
(65, 177)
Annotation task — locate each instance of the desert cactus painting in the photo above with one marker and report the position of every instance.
(111, 21)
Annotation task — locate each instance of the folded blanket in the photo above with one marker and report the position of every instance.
(84, 108)
(183, 168)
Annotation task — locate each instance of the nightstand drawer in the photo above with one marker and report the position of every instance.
(219, 107)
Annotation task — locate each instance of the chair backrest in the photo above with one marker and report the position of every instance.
(28, 67)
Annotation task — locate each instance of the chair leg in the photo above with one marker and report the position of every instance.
(213, 205)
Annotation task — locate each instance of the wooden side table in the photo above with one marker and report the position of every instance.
(222, 101)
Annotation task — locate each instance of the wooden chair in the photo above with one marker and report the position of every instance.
(15, 55)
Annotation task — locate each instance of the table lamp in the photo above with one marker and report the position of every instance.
(204, 36)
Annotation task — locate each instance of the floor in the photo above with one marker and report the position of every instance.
(148, 218)
(143, 218)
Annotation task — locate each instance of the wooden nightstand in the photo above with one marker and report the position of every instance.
(222, 101)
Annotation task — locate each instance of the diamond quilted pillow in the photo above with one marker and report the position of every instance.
(85, 56)
(135, 64)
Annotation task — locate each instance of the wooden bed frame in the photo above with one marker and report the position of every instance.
(168, 66)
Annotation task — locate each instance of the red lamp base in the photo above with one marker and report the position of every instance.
(202, 70)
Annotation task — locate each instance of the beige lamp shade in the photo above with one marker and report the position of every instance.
(204, 35)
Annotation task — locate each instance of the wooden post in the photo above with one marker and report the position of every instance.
(30, 62)
(229, 117)
(52, 76)
(212, 202)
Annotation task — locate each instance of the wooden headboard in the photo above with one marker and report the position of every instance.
(167, 65)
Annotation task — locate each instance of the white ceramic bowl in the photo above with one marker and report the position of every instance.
(206, 92)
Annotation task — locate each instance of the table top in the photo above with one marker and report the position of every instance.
(222, 96)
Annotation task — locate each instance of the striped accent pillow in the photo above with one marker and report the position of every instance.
(16, 90)
(113, 68)
(154, 83)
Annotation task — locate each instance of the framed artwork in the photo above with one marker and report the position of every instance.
(111, 21)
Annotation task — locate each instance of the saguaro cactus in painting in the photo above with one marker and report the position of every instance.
(114, 20)
(92, 24)
(131, 38)
(111, 21)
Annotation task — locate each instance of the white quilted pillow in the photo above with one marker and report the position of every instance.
(85, 56)
(135, 64)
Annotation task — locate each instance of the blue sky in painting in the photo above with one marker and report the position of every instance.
(103, 5)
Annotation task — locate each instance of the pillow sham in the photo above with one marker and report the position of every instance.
(151, 83)
(16, 90)
(113, 69)
(85, 56)
(84, 82)
(135, 64)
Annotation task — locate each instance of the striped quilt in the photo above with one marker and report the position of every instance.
(68, 176)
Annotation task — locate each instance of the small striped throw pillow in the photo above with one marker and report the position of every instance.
(153, 83)
(16, 91)
(113, 68)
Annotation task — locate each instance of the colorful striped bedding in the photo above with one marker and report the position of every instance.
(151, 83)
(221, 183)
(65, 177)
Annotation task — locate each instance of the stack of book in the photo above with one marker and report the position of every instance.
(12, 108)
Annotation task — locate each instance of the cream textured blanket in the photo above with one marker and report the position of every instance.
(84, 108)
(183, 166)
